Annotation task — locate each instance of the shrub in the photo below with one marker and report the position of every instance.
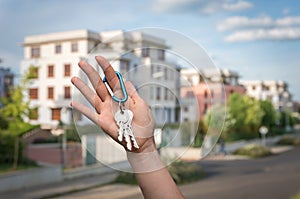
(253, 150)
(288, 140)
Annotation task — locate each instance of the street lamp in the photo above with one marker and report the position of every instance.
(263, 131)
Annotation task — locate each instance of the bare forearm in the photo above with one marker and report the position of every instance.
(154, 179)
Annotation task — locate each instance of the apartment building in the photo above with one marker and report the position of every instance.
(275, 91)
(208, 88)
(138, 56)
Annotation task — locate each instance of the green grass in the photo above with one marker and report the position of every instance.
(253, 150)
(180, 171)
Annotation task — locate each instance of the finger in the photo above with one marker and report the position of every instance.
(95, 79)
(89, 113)
(88, 93)
(109, 72)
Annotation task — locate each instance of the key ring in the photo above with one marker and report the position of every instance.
(125, 96)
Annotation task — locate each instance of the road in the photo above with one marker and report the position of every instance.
(274, 177)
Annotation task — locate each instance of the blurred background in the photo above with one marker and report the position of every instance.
(226, 111)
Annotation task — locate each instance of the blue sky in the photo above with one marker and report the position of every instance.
(259, 39)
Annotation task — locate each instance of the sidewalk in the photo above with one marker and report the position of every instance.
(67, 186)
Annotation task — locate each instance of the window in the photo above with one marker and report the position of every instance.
(35, 52)
(67, 70)
(50, 93)
(186, 109)
(161, 54)
(57, 48)
(67, 92)
(77, 116)
(124, 65)
(145, 52)
(253, 87)
(158, 93)
(56, 113)
(33, 114)
(50, 71)
(166, 94)
(151, 69)
(74, 47)
(33, 93)
(166, 73)
(135, 67)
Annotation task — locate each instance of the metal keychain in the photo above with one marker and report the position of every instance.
(123, 117)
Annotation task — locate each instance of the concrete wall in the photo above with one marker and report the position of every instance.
(29, 178)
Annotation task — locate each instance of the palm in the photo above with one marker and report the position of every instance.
(142, 123)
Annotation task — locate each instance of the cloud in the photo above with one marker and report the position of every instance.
(200, 6)
(261, 28)
(264, 34)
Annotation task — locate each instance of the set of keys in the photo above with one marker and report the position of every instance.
(123, 117)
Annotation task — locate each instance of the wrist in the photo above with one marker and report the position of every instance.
(146, 161)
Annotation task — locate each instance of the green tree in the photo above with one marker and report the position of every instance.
(15, 109)
(270, 115)
(245, 115)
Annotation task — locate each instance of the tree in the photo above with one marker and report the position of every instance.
(15, 110)
(245, 115)
(270, 115)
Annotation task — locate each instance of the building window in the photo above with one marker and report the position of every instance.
(57, 48)
(186, 109)
(35, 52)
(124, 65)
(50, 71)
(67, 70)
(135, 67)
(67, 92)
(74, 47)
(161, 54)
(50, 93)
(166, 94)
(33, 93)
(166, 73)
(145, 52)
(158, 94)
(151, 69)
(56, 113)
(33, 114)
(253, 87)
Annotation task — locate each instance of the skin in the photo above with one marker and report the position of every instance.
(152, 176)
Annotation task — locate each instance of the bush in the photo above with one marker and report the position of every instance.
(180, 171)
(253, 150)
(288, 140)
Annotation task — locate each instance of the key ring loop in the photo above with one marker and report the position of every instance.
(125, 96)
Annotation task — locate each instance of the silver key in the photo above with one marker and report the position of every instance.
(129, 129)
(121, 118)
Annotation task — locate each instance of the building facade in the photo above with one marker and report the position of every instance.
(208, 89)
(138, 56)
(275, 91)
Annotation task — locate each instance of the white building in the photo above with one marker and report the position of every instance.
(139, 57)
(275, 91)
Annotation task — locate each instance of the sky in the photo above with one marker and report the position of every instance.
(258, 39)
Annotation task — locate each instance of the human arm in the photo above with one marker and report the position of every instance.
(152, 176)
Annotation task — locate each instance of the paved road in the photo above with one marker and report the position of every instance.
(273, 177)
